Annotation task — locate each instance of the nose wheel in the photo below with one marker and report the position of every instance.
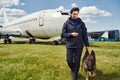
(32, 40)
(55, 43)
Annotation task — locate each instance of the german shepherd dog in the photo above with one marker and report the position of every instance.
(89, 64)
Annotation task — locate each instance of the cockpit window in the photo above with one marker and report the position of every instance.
(1, 26)
(64, 13)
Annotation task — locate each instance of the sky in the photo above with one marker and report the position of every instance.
(97, 14)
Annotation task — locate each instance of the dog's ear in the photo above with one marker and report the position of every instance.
(92, 53)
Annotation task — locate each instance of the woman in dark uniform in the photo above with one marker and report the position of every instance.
(75, 32)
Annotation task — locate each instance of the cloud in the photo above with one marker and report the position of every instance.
(88, 20)
(61, 8)
(73, 5)
(87, 13)
(11, 18)
(13, 12)
(16, 2)
(8, 3)
(5, 3)
(22, 4)
(92, 11)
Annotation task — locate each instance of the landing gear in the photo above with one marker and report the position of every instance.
(63, 40)
(55, 43)
(32, 40)
(7, 40)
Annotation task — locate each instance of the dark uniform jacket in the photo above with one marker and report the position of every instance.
(78, 26)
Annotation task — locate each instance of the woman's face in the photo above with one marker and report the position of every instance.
(75, 14)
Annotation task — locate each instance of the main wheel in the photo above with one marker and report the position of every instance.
(5, 41)
(10, 41)
(55, 43)
(31, 41)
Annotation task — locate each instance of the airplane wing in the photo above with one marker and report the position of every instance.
(14, 33)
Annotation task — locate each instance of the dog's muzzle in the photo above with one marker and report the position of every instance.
(90, 67)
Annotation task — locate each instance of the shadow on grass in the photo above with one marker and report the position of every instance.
(37, 42)
(81, 77)
(45, 43)
(16, 42)
(19, 42)
(25, 42)
(101, 76)
(109, 76)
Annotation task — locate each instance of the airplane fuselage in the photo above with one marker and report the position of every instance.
(43, 25)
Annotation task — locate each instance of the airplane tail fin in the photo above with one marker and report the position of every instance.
(6, 20)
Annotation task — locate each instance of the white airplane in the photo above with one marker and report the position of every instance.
(44, 24)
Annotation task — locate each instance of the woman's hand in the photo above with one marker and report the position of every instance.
(87, 48)
(75, 34)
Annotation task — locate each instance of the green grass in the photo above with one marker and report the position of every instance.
(44, 61)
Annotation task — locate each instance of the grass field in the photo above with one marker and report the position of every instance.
(44, 61)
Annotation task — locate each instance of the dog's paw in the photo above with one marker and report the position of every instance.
(94, 74)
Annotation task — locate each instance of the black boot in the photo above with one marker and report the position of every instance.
(74, 75)
(76, 70)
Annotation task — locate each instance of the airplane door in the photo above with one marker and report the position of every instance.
(41, 19)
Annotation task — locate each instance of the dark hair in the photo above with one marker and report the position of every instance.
(74, 9)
